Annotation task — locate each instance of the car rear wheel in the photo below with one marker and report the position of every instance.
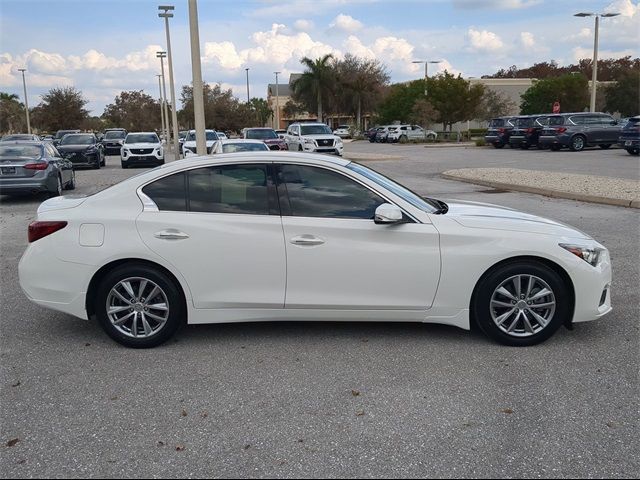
(72, 183)
(521, 304)
(577, 143)
(58, 188)
(498, 145)
(604, 146)
(554, 148)
(524, 146)
(139, 306)
(633, 151)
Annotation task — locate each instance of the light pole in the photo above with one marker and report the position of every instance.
(196, 69)
(164, 132)
(26, 102)
(594, 76)
(426, 73)
(277, 104)
(174, 115)
(247, 70)
(161, 56)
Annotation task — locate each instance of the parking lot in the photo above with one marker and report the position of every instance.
(332, 399)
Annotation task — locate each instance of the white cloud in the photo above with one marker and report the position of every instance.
(484, 40)
(583, 34)
(346, 23)
(527, 39)
(303, 25)
(579, 53)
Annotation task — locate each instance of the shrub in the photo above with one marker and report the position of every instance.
(480, 142)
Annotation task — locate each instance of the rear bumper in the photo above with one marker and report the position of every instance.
(558, 140)
(629, 142)
(27, 185)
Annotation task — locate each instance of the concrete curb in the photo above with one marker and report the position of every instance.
(618, 202)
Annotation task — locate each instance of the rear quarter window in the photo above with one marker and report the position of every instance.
(169, 193)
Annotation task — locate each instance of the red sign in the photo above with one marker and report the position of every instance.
(556, 107)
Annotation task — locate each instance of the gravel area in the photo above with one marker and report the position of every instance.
(617, 191)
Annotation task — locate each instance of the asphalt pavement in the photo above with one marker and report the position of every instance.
(331, 399)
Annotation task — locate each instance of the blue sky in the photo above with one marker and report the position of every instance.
(105, 46)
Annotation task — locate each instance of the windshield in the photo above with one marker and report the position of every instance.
(261, 134)
(403, 192)
(25, 151)
(115, 134)
(142, 138)
(243, 147)
(315, 130)
(523, 122)
(62, 133)
(77, 140)
(211, 135)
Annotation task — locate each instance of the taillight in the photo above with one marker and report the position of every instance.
(561, 129)
(531, 130)
(38, 230)
(502, 130)
(36, 166)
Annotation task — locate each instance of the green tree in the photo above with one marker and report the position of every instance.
(494, 104)
(134, 110)
(624, 95)
(423, 113)
(398, 101)
(316, 85)
(261, 110)
(570, 90)
(292, 109)
(12, 114)
(222, 110)
(60, 109)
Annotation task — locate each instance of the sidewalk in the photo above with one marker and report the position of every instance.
(584, 188)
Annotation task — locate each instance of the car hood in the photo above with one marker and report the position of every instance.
(324, 136)
(74, 148)
(141, 145)
(273, 141)
(489, 216)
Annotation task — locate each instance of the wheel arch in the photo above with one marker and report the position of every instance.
(105, 269)
(566, 278)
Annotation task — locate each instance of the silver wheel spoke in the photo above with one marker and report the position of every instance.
(128, 288)
(540, 319)
(113, 310)
(122, 320)
(156, 317)
(515, 322)
(120, 296)
(506, 293)
(542, 305)
(503, 318)
(153, 293)
(143, 285)
(530, 285)
(527, 323)
(542, 293)
(147, 328)
(159, 306)
(501, 304)
(134, 325)
(516, 282)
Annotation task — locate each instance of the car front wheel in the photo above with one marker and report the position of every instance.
(139, 306)
(577, 143)
(633, 151)
(521, 304)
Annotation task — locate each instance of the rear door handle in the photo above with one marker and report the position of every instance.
(307, 240)
(171, 234)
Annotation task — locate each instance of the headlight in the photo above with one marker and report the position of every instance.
(309, 141)
(591, 255)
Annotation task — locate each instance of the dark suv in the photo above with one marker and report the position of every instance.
(630, 136)
(579, 130)
(499, 131)
(526, 131)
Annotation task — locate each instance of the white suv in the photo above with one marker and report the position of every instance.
(141, 148)
(342, 131)
(313, 137)
(410, 132)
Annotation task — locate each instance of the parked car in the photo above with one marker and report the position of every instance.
(82, 150)
(113, 141)
(304, 237)
(499, 131)
(382, 133)
(189, 145)
(34, 167)
(222, 135)
(268, 136)
(20, 137)
(141, 148)
(630, 135)
(403, 133)
(313, 137)
(61, 133)
(526, 131)
(370, 134)
(281, 133)
(576, 131)
(343, 131)
(240, 145)
(182, 134)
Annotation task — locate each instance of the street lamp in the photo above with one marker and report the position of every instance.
(161, 56)
(26, 102)
(196, 69)
(247, 70)
(164, 132)
(594, 76)
(174, 115)
(426, 74)
(277, 104)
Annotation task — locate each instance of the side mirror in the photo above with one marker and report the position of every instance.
(388, 214)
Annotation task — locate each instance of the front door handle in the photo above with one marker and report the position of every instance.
(307, 240)
(171, 234)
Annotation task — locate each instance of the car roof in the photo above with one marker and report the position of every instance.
(141, 133)
(240, 140)
(25, 142)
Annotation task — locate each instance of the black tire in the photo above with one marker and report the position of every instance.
(58, 191)
(72, 183)
(124, 165)
(578, 142)
(554, 148)
(524, 146)
(96, 166)
(175, 300)
(403, 139)
(300, 149)
(633, 151)
(498, 145)
(481, 306)
(604, 146)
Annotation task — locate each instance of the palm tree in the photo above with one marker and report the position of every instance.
(316, 84)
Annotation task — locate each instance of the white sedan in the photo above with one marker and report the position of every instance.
(239, 145)
(291, 236)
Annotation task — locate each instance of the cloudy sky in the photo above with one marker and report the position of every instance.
(105, 46)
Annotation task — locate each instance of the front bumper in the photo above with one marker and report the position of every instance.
(335, 150)
(629, 142)
(154, 158)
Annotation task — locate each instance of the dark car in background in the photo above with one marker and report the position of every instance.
(499, 131)
(60, 134)
(268, 136)
(34, 167)
(629, 138)
(576, 131)
(526, 131)
(82, 150)
(113, 140)
(20, 137)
